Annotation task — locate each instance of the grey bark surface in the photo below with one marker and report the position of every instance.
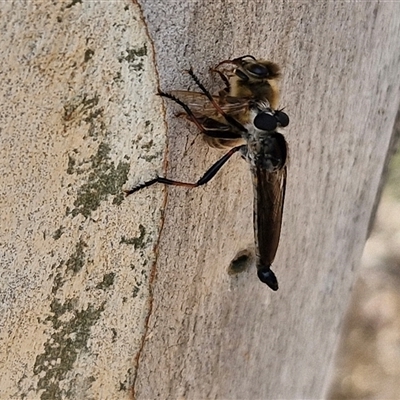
(105, 297)
(212, 335)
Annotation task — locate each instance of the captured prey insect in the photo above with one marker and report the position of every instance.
(247, 80)
(244, 120)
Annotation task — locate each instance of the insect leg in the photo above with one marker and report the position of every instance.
(241, 58)
(224, 78)
(210, 173)
(228, 118)
(217, 133)
(188, 111)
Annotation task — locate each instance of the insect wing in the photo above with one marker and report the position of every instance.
(217, 132)
(202, 106)
(268, 209)
(269, 178)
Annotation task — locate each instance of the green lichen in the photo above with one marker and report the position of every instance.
(149, 158)
(73, 2)
(118, 77)
(84, 108)
(77, 260)
(136, 290)
(74, 264)
(108, 280)
(137, 242)
(71, 332)
(103, 179)
(58, 280)
(133, 54)
(134, 57)
(81, 104)
(71, 164)
(114, 334)
(127, 383)
(57, 234)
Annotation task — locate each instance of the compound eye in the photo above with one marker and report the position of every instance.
(282, 118)
(242, 75)
(260, 70)
(265, 122)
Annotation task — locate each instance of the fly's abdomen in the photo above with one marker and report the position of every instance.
(269, 178)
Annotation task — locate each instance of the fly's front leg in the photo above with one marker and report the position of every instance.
(210, 173)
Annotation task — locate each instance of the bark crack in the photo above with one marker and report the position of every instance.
(153, 273)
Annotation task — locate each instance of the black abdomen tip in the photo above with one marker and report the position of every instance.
(268, 277)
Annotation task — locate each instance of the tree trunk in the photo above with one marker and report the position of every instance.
(109, 297)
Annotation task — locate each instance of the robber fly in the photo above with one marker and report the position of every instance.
(248, 125)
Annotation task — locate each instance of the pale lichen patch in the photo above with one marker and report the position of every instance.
(63, 347)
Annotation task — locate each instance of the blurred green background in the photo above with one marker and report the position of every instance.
(368, 358)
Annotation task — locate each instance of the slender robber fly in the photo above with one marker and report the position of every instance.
(247, 124)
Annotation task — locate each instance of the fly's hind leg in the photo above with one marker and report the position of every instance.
(210, 173)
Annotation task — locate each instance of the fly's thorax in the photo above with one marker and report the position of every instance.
(266, 150)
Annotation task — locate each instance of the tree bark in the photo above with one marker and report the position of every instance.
(79, 111)
(110, 297)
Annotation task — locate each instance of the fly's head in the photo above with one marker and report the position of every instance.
(266, 148)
